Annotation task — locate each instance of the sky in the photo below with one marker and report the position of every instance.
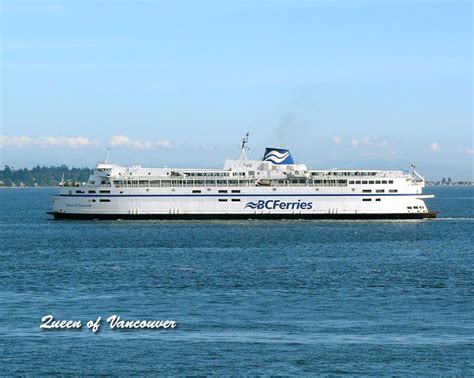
(342, 84)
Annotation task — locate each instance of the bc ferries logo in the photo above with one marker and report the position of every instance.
(278, 156)
(277, 204)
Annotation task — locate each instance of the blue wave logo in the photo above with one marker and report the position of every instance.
(278, 156)
(252, 205)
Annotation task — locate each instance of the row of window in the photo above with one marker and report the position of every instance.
(220, 191)
(191, 183)
(92, 191)
(371, 182)
(167, 183)
(232, 200)
(370, 199)
(379, 191)
(213, 174)
(226, 174)
(344, 173)
(238, 191)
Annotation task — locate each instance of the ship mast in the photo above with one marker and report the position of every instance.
(245, 140)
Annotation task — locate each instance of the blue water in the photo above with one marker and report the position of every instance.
(249, 297)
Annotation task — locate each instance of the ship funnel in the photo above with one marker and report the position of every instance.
(278, 156)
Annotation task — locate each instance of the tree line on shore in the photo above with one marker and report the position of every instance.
(42, 176)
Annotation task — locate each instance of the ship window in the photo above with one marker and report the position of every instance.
(384, 181)
(390, 182)
(409, 207)
(235, 191)
(91, 191)
(79, 191)
(415, 207)
(377, 182)
(364, 182)
(377, 199)
(196, 191)
(222, 199)
(93, 200)
(366, 199)
(393, 190)
(105, 191)
(366, 191)
(380, 191)
(371, 182)
(351, 182)
(104, 200)
(235, 199)
(222, 191)
(357, 182)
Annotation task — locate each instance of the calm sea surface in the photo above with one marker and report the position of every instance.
(249, 297)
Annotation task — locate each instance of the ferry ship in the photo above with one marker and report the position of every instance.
(275, 187)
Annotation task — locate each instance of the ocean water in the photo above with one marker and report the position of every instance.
(249, 297)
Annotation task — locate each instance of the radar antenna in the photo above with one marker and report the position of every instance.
(245, 141)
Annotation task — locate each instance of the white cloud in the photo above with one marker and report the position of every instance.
(165, 143)
(125, 141)
(336, 140)
(15, 141)
(206, 147)
(469, 151)
(25, 141)
(434, 146)
(80, 142)
(74, 142)
(374, 141)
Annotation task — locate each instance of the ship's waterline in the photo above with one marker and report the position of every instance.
(274, 187)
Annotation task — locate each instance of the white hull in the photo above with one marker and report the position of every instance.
(283, 201)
